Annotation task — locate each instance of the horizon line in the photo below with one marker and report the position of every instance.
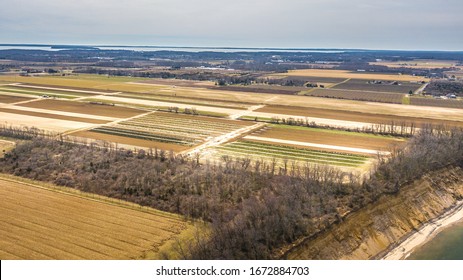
(221, 47)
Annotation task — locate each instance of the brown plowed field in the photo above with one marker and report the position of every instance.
(52, 116)
(42, 223)
(12, 99)
(328, 137)
(352, 116)
(130, 141)
(84, 108)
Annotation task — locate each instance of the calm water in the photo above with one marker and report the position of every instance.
(185, 49)
(447, 245)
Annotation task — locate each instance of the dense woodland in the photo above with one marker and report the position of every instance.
(253, 208)
(442, 87)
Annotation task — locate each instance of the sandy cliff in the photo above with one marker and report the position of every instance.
(374, 230)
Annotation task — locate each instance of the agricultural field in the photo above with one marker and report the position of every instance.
(372, 96)
(281, 153)
(192, 101)
(95, 82)
(418, 63)
(8, 99)
(447, 103)
(84, 108)
(261, 88)
(379, 86)
(315, 79)
(47, 222)
(51, 92)
(51, 116)
(329, 137)
(283, 143)
(355, 116)
(164, 131)
(178, 82)
(344, 74)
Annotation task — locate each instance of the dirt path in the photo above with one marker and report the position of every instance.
(216, 141)
(246, 112)
(314, 145)
(421, 89)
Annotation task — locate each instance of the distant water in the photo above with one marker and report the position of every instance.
(184, 49)
(226, 50)
(35, 48)
(446, 245)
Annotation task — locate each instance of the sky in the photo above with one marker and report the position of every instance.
(365, 24)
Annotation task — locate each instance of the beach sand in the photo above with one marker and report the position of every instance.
(425, 233)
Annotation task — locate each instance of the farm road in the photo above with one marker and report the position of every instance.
(216, 141)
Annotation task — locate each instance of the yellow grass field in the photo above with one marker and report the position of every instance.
(43, 222)
(350, 75)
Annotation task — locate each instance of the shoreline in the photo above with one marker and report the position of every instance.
(427, 232)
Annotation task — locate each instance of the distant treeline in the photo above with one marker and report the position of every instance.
(254, 208)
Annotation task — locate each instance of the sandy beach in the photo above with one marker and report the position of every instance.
(426, 233)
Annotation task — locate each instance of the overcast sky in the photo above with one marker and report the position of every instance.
(371, 24)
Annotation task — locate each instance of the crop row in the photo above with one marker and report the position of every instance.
(144, 135)
(367, 85)
(183, 121)
(446, 103)
(291, 153)
(173, 128)
(169, 128)
(358, 95)
(258, 145)
(212, 127)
